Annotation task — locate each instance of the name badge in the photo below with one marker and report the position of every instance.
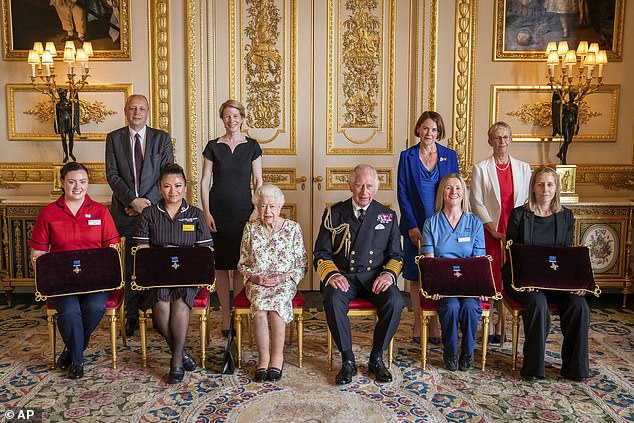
(94, 222)
(188, 228)
(464, 239)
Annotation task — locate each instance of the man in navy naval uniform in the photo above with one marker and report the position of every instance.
(358, 254)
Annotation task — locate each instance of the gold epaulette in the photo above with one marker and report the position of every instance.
(394, 266)
(325, 267)
(334, 231)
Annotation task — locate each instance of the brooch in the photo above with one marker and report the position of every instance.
(443, 159)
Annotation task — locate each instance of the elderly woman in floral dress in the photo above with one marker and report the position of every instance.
(273, 261)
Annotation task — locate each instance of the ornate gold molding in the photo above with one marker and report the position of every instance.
(159, 41)
(433, 55)
(289, 211)
(282, 177)
(191, 150)
(615, 178)
(540, 113)
(12, 175)
(337, 178)
(464, 83)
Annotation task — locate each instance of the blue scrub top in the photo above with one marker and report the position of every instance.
(466, 240)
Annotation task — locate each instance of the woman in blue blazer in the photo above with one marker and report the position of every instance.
(420, 169)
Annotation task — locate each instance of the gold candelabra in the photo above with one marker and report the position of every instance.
(43, 78)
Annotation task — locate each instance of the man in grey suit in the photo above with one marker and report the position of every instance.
(135, 155)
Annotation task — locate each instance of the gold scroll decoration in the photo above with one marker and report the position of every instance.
(541, 113)
(94, 111)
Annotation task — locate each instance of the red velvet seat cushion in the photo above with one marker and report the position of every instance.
(115, 298)
(202, 299)
(361, 304)
(241, 300)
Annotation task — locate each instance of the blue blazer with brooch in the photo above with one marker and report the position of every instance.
(409, 198)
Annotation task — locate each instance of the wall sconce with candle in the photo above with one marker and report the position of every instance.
(65, 96)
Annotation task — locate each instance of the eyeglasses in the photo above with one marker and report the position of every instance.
(505, 138)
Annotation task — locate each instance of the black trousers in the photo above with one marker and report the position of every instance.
(131, 296)
(389, 306)
(574, 314)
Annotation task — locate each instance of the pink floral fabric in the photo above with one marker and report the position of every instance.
(267, 254)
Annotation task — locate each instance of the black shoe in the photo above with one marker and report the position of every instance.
(261, 375)
(434, 340)
(345, 375)
(76, 371)
(188, 362)
(275, 374)
(451, 361)
(63, 361)
(466, 361)
(131, 325)
(381, 373)
(176, 375)
(529, 378)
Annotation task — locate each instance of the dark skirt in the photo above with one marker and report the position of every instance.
(154, 295)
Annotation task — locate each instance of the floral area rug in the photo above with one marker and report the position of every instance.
(132, 393)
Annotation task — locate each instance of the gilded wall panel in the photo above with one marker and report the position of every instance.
(337, 178)
(360, 76)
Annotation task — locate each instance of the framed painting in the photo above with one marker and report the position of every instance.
(528, 109)
(523, 28)
(105, 23)
(30, 113)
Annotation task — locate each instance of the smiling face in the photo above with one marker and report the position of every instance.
(364, 187)
(75, 185)
(500, 140)
(172, 188)
(452, 193)
(428, 132)
(136, 111)
(268, 210)
(544, 189)
(232, 119)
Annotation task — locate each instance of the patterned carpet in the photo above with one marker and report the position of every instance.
(131, 393)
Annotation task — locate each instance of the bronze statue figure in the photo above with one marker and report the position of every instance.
(67, 121)
(565, 115)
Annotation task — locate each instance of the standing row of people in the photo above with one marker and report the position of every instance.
(357, 251)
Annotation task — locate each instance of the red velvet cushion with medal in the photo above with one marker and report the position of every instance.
(173, 267)
(77, 272)
(551, 268)
(457, 277)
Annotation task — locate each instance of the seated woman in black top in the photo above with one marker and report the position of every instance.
(543, 221)
(161, 225)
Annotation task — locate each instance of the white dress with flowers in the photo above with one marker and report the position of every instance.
(265, 254)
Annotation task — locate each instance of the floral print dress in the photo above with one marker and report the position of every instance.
(265, 254)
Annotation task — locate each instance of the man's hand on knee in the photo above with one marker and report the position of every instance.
(339, 282)
(382, 283)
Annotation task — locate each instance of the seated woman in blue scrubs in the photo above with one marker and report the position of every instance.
(453, 232)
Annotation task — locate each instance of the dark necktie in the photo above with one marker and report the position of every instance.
(138, 160)
(361, 215)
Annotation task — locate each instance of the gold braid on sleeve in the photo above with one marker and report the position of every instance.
(344, 228)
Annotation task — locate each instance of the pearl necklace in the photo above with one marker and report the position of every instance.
(503, 168)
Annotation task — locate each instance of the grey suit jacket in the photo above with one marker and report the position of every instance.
(120, 172)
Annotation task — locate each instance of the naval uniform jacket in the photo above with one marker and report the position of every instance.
(374, 245)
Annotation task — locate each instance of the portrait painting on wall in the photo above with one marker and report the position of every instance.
(524, 27)
(105, 23)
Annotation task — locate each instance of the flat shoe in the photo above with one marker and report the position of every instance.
(63, 361)
(261, 375)
(76, 371)
(347, 372)
(188, 362)
(275, 374)
(176, 375)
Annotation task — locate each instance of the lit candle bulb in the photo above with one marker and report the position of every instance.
(590, 62)
(47, 61)
(82, 58)
(69, 57)
(570, 60)
(34, 59)
(553, 61)
(50, 47)
(601, 59)
(38, 47)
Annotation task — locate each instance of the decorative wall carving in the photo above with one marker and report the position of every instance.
(159, 64)
(89, 111)
(337, 178)
(541, 113)
(13, 175)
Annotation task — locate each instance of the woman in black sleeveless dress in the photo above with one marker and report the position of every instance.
(231, 163)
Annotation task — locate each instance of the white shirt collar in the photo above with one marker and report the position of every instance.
(141, 132)
(357, 207)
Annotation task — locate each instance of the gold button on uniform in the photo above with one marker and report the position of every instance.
(352, 252)
(370, 261)
(369, 268)
(371, 252)
(351, 261)
(352, 269)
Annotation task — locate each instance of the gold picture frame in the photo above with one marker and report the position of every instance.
(527, 108)
(27, 21)
(523, 31)
(30, 113)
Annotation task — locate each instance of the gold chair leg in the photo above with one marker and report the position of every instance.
(203, 339)
(424, 332)
(238, 324)
(485, 339)
(142, 330)
(516, 330)
(51, 318)
(502, 323)
(329, 348)
(113, 336)
(390, 354)
(300, 338)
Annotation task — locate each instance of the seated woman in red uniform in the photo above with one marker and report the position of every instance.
(161, 225)
(74, 222)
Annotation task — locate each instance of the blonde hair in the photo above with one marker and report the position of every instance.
(235, 104)
(555, 203)
(440, 199)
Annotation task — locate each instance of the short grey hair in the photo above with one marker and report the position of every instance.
(362, 168)
(268, 190)
(499, 125)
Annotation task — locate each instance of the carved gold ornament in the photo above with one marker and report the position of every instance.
(263, 64)
(541, 113)
(361, 60)
(95, 111)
